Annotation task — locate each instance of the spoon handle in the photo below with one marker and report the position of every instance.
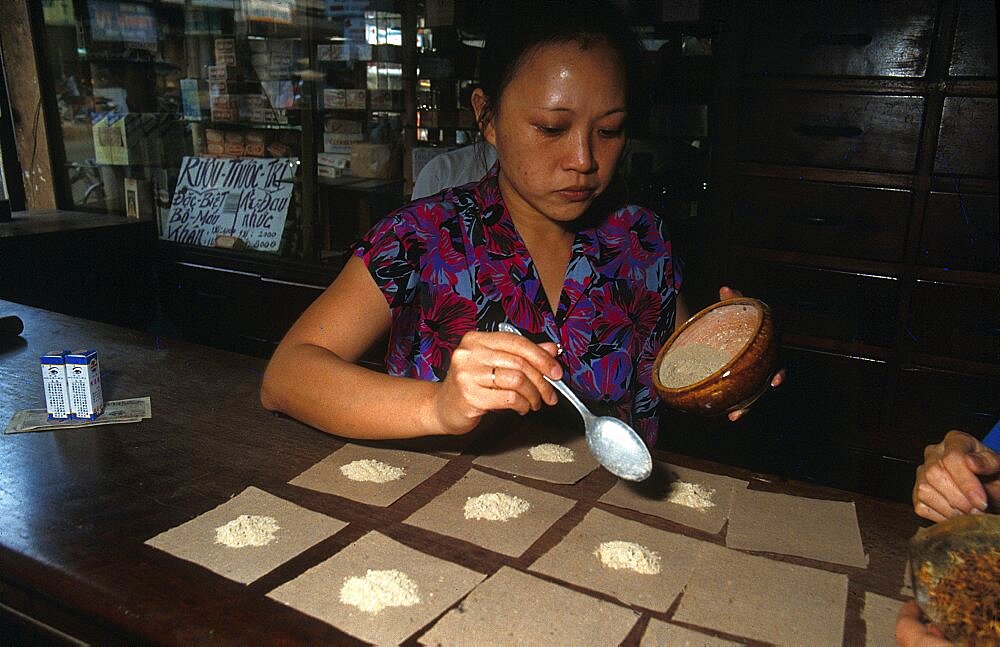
(569, 395)
(558, 384)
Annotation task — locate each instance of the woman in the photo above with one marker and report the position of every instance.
(540, 242)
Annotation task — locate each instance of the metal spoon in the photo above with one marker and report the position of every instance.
(613, 443)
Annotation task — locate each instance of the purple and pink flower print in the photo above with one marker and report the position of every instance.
(454, 262)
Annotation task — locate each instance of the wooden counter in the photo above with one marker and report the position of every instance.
(77, 505)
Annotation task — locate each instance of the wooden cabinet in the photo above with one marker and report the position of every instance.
(850, 131)
(967, 143)
(840, 38)
(856, 193)
(821, 218)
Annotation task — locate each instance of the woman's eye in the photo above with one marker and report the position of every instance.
(549, 130)
(611, 133)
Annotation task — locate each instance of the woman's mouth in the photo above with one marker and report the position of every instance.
(577, 194)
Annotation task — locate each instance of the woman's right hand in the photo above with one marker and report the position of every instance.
(492, 371)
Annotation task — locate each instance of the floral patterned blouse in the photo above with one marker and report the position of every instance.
(453, 262)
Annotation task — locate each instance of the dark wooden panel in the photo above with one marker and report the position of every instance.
(831, 130)
(829, 400)
(215, 307)
(967, 143)
(974, 52)
(930, 402)
(955, 320)
(824, 424)
(830, 38)
(829, 219)
(823, 303)
(961, 231)
(103, 273)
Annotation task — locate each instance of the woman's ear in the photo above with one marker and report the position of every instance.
(479, 109)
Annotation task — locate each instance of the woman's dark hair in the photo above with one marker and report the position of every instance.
(519, 27)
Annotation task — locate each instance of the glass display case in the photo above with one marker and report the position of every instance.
(269, 126)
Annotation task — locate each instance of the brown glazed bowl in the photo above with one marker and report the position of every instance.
(719, 360)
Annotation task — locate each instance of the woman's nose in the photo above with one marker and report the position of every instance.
(580, 156)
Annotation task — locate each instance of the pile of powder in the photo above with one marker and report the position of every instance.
(378, 590)
(247, 530)
(691, 495)
(495, 506)
(371, 471)
(627, 555)
(691, 363)
(551, 453)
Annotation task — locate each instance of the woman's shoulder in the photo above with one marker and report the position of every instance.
(631, 216)
(424, 214)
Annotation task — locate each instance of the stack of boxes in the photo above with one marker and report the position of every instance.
(72, 383)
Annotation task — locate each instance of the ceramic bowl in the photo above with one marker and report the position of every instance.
(719, 360)
(954, 566)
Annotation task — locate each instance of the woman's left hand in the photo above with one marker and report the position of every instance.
(912, 631)
(776, 379)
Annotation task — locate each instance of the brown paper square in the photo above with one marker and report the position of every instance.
(447, 445)
(879, 615)
(574, 560)
(317, 591)
(512, 455)
(764, 599)
(652, 496)
(298, 530)
(446, 514)
(325, 476)
(515, 608)
(790, 525)
(662, 633)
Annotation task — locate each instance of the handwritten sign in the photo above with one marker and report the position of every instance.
(245, 198)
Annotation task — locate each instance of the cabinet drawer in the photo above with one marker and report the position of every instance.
(828, 400)
(974, 52)
(817, 218)
(961, 231)
(967, 144)
(955, 321)
(930, 402)
(860, 132)
(215, 307)
(823, 303)
(840, 38)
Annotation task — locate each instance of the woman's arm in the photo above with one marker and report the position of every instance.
(312, 375)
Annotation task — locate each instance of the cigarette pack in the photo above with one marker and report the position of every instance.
(83, 377)
(54, 382)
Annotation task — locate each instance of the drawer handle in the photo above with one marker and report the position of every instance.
(826, 39)
(827, 132)
(817, 221)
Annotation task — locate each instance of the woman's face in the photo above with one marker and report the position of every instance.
(559, 130)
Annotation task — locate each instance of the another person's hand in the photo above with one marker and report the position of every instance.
(492, 371)
(960, 475)
(912, 631)
(776, 379)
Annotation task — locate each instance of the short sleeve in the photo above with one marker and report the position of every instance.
(389, 252)
(992, 439)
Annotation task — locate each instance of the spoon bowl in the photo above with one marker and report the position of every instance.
(613, 443)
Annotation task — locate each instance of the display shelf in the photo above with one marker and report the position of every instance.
(243, 124)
